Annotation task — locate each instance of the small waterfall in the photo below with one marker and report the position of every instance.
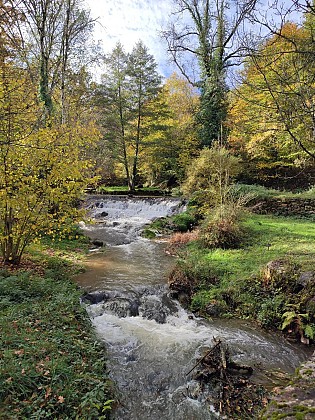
(152, 342)
(124, 217)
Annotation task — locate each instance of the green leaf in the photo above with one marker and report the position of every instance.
(309, 331)
(289, 318)
(107, 405)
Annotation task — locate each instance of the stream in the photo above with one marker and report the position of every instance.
(152, 342)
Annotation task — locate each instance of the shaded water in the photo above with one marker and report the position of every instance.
(152, 342)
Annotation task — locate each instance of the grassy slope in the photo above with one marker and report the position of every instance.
(232, 279)
(51, 364)
(270, 238)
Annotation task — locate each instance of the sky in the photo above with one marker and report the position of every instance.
(129, 21)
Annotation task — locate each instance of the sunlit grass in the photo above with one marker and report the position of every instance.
(269, 238)
(240, 287)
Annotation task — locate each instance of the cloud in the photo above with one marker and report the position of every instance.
(128, 21)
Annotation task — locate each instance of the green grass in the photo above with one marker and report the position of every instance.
(51, 364)
(103, 188)
(269, 238)
(233, 280)
(125, 189)
(259, 191)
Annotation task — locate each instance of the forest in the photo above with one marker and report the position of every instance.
(63, 132)
(235, 122)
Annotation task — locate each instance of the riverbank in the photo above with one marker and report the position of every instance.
(270, 280)
(296, 400)
(52, 365)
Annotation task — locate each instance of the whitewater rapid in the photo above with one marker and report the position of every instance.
(152, 343)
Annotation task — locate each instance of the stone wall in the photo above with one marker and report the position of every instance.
(285, 207)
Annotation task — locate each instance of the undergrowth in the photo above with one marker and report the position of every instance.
(51, 364)
(259, 191)
(240, 287)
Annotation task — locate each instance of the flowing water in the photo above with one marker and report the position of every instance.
(152, 342)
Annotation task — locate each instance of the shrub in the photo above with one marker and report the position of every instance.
(223, 228)
(183, 222)
(269, 313)
(210, 175)
(179, 240)
(148, 234)
(196, 269)
(253, 191)
(223, 233)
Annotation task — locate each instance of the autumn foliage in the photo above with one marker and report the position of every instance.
(43, 170)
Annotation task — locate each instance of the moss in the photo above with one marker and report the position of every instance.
(149, 234)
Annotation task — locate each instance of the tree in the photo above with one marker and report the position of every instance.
(43, 167)
(41, 171)
(172, 142)
(272, 114)
(112, 97)
(291, 70)
(129, 84)
(144, 85)
(212, 39)
(50, 34)
(182, 100)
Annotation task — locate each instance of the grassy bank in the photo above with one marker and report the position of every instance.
(235, 282)
(51, 364)
(139, 191)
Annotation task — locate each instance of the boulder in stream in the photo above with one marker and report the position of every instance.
(94, 297)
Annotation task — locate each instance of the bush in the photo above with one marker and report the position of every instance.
(270, 311)
(148, 234)
(210, 175)
(179, 240)
(253, 191)
(223, 233)
(223, 228)
(183, 222)
(196, 269)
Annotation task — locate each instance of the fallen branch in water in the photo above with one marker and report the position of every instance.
(204, 357)
(227, 382)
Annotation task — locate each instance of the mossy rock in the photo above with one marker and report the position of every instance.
(148, 234)
(297, 400)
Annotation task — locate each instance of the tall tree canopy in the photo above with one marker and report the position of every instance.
(209, 32)
(50, 37)
(174, 141)
(43, 166)
(273, 116)
(131, 81)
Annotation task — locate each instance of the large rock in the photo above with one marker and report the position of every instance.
(297, 400)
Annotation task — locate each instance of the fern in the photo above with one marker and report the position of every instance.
(309, 331)
(289, 317)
